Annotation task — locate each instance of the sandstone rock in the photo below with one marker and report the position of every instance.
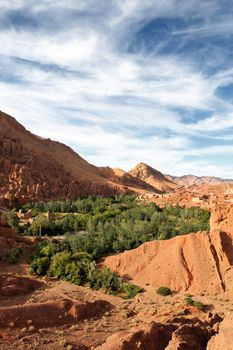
(152, 176)
(189, 337)
(223, 340)
(195, 262)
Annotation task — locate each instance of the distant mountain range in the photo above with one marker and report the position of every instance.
(33, 169)
(190, 180)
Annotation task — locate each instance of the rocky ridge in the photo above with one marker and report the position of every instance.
(152, 177)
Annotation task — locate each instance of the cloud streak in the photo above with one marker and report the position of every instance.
(69, 72)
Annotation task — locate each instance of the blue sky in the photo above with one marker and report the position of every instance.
(124, 81)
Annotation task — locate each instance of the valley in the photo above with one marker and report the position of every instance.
(85, 250)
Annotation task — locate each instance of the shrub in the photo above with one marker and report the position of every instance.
(104, 278)
(165, 291)
(190, 301)
(59, 263)
(198, 305)
(73, 273)
(131, 290)
(13, 255)
(13, 219)
(40, 266)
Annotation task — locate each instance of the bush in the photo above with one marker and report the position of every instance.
(131, 290)
(75, 273)
(198, 305)
(190, 301)
(39, 266)
(13, 220)
(59, 264)
(104, 278)
(14, 254)
(165, 291)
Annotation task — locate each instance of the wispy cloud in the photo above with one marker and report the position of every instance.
(123, 81)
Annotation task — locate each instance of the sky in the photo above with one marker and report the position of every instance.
(124, 81)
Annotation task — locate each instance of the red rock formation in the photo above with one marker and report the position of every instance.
(32, 168)
(223, 340)
(52, 313)
(196, 262)
(181, 334)
(222, 218)
(121, 177)
(152, 177)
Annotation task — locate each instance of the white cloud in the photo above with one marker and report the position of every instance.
(112, 106)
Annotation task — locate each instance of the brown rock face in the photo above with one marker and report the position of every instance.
(121, 177)
(223, 340)
(32, 168)
(150, 337)
(222, 218)
(197, 262)
(183, 334)
(152, 177)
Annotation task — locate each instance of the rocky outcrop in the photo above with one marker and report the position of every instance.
(223, 340)
(178, 334)
(5, 230)
(222, 218)
(15, 285)
(152, 177)
(121, 177)
(196, 262)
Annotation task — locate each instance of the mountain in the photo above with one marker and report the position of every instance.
(120, 176)
(190, 180)
(152, 177)
(33, 169)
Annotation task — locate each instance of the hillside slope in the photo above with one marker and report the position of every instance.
(152, 177)
(197, 262)
(33, 168)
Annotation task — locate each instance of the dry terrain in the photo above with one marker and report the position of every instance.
(50, 314)
(43, 313)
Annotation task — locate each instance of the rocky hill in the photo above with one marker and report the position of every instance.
(33, 168)
(152, 177)
(199, 262)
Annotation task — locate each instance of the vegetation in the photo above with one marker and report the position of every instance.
(51, 259)
(164, 291)
(103, 226)
(14, 254)
(94, 227)
(13, 219)
(131, 290)
(190, 301)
